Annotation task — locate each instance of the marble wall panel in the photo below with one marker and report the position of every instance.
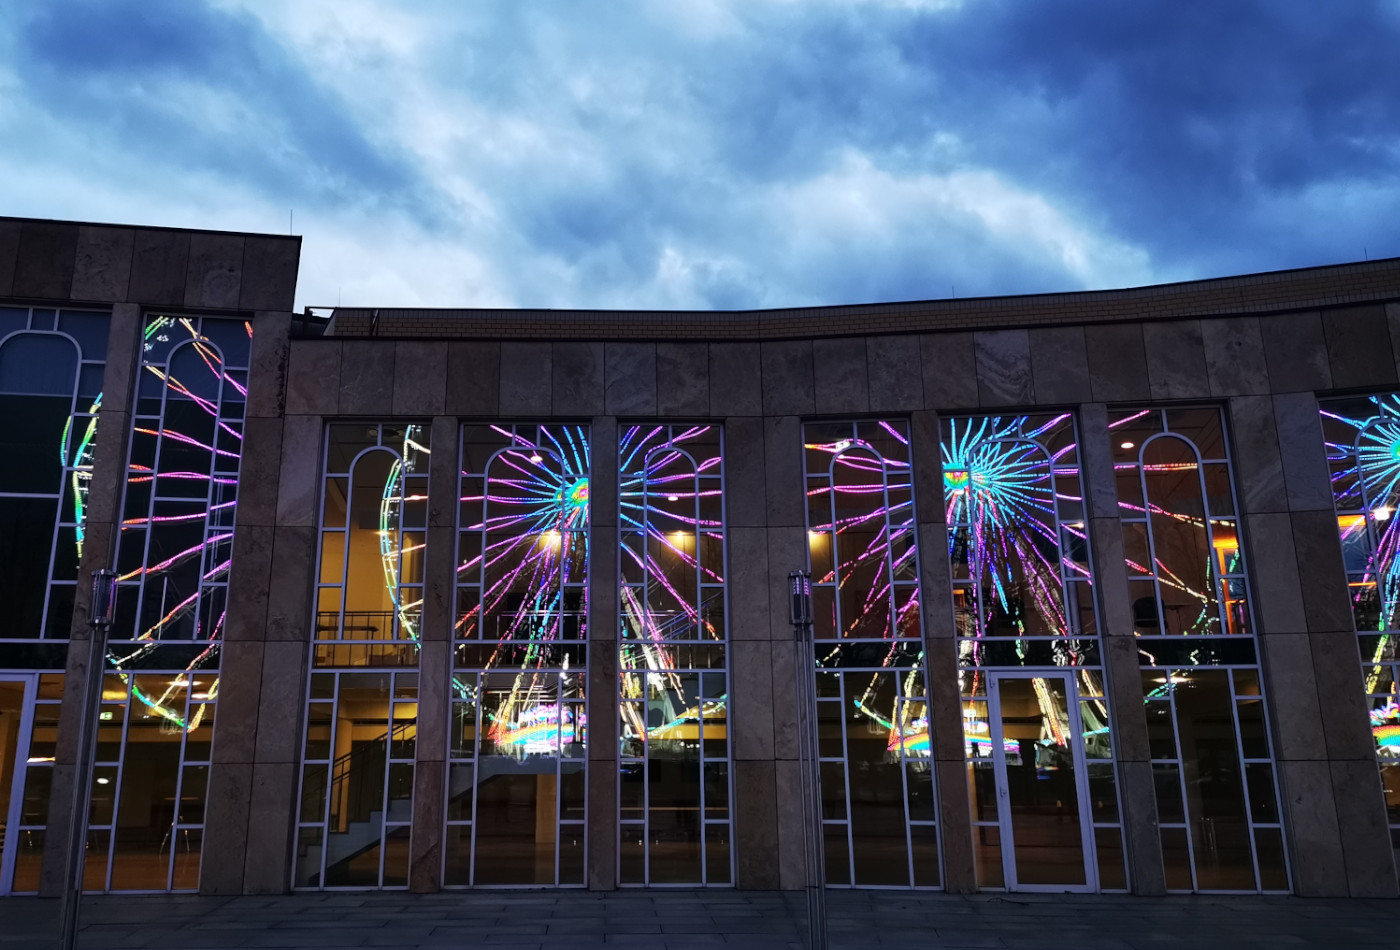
(473, 378)
(788, 384)
(44, 265)
(736, 379)
(895, 371)
(1176, 360)
(840, 381)
(1296, 352)
(313, 377)
(269, 273)
(949, 370)
(366, 379)
(102, 265)
(1117, 362)
(420, 378)
(1370, 859)
(783, 479)
(683, 380)
(1254, 450)
(267, 371)
(159, 265)
(1060, 366)
(526, 372)
(1004, 367)
(578, 378)
(1235, 357)
(214, 276)
(756, 825)
(745, 501)
(631, 379)
(1319, 866)
(1358, 347)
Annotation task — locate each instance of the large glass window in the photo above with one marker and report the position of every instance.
(877, 785)
(51, 366)
(1023, 597)
(173, 554)
(1363, 451)
(356, 803)
(517, 753)
(1217, 796)
(673, 776)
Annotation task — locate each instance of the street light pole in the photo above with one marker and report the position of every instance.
(804, 666)
(100, 610)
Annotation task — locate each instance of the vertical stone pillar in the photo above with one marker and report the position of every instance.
(751, 670)
(99, 551)
(940, 653)
(602, 655)
(1333, 803)
(785, 489)
(286, 573)
(435, 659)
(1141, 838)
(241, 656)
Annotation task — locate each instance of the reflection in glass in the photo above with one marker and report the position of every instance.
(1023, 598)
(1363, 452)
(1217, 798)
(673, 699)
(50, 394)
(873, 702)
(518, 728)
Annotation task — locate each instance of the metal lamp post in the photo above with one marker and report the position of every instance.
(100, 610)
(813, 856)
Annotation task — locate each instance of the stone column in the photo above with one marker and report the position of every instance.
(1333, 804)
(1141, 839)
(435, 659)
(602, 655)
(285, 565)
(754, 809)
(940, 652)
(242, 654)
(99, 550)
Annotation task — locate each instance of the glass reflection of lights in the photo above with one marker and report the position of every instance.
(674, 777)
(1362, 434)
(1218, 813)
(1023, 599)
(51, 368)
(871, 687)
(519, 726)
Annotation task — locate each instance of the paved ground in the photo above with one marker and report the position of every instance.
(682, 920)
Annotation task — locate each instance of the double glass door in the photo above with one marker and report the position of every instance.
(1042, 806)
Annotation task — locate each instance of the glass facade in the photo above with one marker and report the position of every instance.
(1036, 730)
(356, 803)
(174, 550)
(673, 690)
(51, 366)
(1363, 453)
(877, 788)
(518, 766)
(1217, 794)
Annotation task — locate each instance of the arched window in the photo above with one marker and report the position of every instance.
(517, 754)
(362, 703)
(1217, 795)
(674, 777)
(872, 704)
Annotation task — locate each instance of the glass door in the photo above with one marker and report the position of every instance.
(16, 722)
(1037, 748)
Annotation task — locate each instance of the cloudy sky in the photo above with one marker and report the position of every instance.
(718, 153)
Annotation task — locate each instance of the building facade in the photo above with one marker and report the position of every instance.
(1105, 583)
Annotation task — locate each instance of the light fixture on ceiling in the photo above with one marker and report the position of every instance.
(1127, 445)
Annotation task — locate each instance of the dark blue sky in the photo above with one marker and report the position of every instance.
(718, 153)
